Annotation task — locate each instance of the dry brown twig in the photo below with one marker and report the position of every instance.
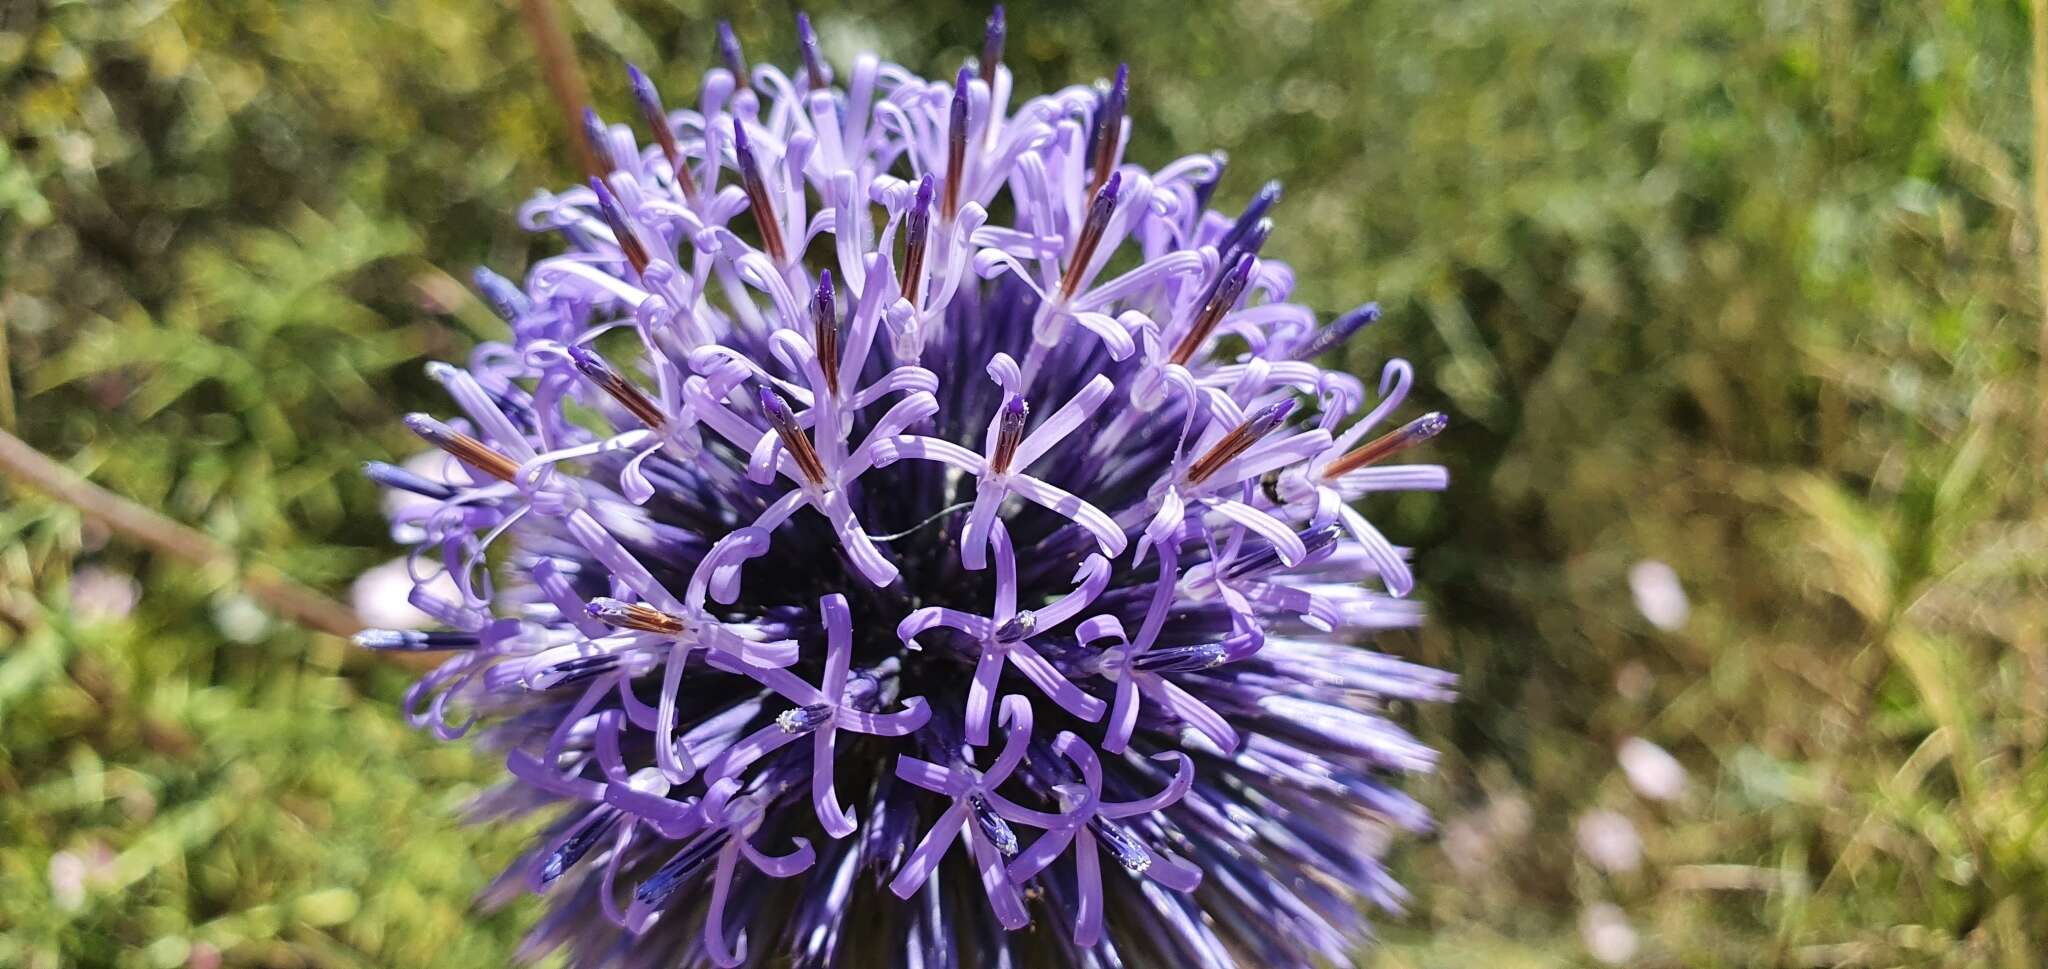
(290, 600)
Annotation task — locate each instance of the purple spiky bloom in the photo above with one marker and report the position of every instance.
(812, 521)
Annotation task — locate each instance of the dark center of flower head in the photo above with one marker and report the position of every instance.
(989, 608)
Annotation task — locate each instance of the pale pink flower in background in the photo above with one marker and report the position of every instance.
(1659, 596)
(380, 596)
(1607, 935)
(67, 881)
(1652, 771)
(103, 595)
(1609, 841)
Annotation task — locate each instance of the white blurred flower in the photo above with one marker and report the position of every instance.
(1659, 596)
(67, 881)
(380, 597)
(1653, 773)
(1607, 934)
(1468, 847)
(103, 595)
(1609, 841)
(240, 619)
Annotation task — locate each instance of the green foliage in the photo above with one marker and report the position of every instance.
(1741, 288)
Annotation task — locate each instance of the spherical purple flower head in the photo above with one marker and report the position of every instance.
(901, 531)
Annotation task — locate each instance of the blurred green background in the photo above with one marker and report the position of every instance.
(1748, 289)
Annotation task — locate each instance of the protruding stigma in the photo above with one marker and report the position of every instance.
(622, 229)
(1389, 444)
(1339, 330)
(1248, 246)
(1255, 210)
(1262, 422)
(917, 226)
(956, 146)
(464, 448)
(794, 440)
(735, 60)
(757, 194)
(1100, 208)
(599, 140)
(992, 45)
(1228, 289)
(657, 118)
(503, 297)
(599, 373)
(634, 615)
(415, 640)
(392, 476)
(1109, 125)
(817, 76)
(825, 331)
(1009, 433)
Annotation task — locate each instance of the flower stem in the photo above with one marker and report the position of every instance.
(565, 79)
(288, 599)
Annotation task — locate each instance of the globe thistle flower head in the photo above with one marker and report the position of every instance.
(852, 576)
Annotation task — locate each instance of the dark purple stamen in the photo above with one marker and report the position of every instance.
(415, 640)
(1099, 210)
(582, 669)
(825, 331)
(657, 118)
(956, 146)
(794, 440)
(1255, 210)
(559, 861)
(1240, 439)
(466, 449)
(917, 228)
(1018, 628)
(1109, 125)
(757, 194)
(633, 615)
(1009, 433)
(1391, 443)
(729, 52)
(992, 825)
(1251, 242)
(615, 217)
(817, 76)
(654, 892)
(598, 372)
(1267, 557)
(1339, 330)
(392, 476)
(502, 295)
(992, 46)
(804, 719)
(1182, 659)
(1122, 846)
(1229, 288)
